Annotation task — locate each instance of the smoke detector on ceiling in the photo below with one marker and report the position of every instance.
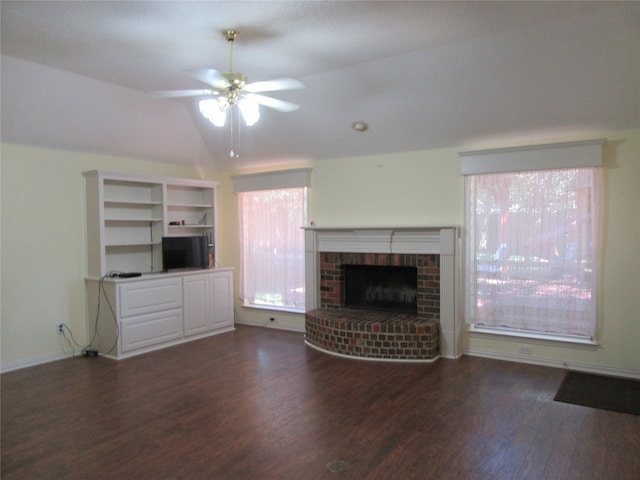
(360, 126)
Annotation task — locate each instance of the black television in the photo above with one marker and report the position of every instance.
(185, 252)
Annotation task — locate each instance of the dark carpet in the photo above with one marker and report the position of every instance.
(599, 391)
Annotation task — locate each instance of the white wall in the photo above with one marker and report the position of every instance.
(43, 241)
(426, 188)
(415, 188)
(43, 246)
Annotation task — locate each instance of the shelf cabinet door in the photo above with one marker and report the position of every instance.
(197, 304)
(222, 290)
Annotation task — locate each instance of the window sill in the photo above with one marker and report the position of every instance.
(274, 308)
(536, 337)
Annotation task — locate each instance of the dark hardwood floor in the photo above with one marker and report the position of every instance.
(259, 404)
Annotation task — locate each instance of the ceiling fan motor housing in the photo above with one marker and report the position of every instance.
(237, 81)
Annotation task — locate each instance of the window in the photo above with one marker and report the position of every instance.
(531, 250)
(272, 242)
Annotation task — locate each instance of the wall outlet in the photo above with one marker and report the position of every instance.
(526, 350)
(60, 328)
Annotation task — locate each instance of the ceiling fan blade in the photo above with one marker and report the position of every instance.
(273, 85)
(276, 104)
(209, 76)
(182, 93)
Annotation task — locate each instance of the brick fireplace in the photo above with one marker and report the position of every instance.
(382, 335)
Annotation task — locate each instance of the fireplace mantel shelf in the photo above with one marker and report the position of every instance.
(383, 239)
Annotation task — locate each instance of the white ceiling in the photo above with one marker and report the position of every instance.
(75, 75)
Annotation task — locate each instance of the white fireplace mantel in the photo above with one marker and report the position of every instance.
(441, 240)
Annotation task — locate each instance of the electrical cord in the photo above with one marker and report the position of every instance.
(113, 314)
(101, 291)
(63, 327)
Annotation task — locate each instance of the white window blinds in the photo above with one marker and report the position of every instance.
(272, 210)
(532, 235)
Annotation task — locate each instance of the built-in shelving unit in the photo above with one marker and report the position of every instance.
(127, 216)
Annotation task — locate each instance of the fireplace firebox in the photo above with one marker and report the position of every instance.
(384, 288)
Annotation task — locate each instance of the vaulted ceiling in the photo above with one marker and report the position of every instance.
(423, 75)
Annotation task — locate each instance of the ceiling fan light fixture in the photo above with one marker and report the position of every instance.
(214, 110)
(231, 89)
(249, 109)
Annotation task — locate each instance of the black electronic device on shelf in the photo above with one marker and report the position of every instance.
(185, 252)
(129, 274)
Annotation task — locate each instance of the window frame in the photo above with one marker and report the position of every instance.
(273, 181)
(521, 159)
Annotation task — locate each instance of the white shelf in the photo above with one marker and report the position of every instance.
(188, 205)
(108, 202)
(190, 226)
(133, 220)
(131, 244)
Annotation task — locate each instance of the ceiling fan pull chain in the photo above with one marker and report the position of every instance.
(239, 136)
(232, 154)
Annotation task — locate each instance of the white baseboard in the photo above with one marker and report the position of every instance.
(551, 362)
(32, 362)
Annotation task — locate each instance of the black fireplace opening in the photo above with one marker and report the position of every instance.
(378, 287)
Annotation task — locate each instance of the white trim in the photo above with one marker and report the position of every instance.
(150, 179)
(587, 153)
(409, 240)
(270, 326)
(395, 228)
(539, 337)
(32, 362)
(274, 308)
(556, 363)
(372, 359)
(293, 178)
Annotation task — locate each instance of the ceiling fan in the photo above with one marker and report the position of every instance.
(231, 88)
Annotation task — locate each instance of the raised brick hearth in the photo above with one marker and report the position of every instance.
(373, 334)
